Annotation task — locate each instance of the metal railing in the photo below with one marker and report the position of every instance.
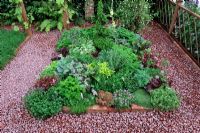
(182, 24)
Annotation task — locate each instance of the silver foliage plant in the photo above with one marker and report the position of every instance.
(68, 66)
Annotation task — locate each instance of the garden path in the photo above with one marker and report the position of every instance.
(22, 72)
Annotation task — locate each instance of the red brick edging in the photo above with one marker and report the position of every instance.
(106, 109)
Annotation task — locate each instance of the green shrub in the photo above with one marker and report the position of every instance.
(121, 79)
(109, 84)
(101, 17)
(85, 58)
(103, 77)
(70, 37)
(134, 14)
(100, 68)
(64, 41)
(142, 78)
(164, 99)
(126, 77)
(142, 98)
(84, 47)
(144, 75)
(130, 36)
(70, 89)
(103, 43)
(125, 63)
(49, 70)
(123, 99)
(42, 104)
(119, 57)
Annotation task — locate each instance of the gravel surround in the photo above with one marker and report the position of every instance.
(18, 77)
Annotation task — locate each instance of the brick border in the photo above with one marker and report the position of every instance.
(106, 109)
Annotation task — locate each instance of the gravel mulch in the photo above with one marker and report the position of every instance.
(22, 72)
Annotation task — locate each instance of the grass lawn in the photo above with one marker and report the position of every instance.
(142, 98)
(9, 42)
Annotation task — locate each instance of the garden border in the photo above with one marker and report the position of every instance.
(28, 37)
(106, 109)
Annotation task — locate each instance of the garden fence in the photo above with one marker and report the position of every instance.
(182, 24)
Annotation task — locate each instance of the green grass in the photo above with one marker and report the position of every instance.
(9, 42)
(142, 98)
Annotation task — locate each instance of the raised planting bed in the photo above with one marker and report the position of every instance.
(101, 69)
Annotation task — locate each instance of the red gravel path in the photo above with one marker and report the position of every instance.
(21, 73)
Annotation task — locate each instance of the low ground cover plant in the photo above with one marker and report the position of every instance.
(42, 104)
(164, 98)
(9, 42)
(116, 75)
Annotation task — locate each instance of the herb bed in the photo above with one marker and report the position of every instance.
(111, 67)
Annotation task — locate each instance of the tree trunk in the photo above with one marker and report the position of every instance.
(65, 17)
(65, 20)
(25, 18)
(89, 9)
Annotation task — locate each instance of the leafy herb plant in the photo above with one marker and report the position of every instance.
(123, 99)
(42, 104)
(165, 99)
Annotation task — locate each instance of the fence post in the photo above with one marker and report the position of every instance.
(25, 18)
(175, 15)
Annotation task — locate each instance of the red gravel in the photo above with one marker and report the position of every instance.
(22, 72)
